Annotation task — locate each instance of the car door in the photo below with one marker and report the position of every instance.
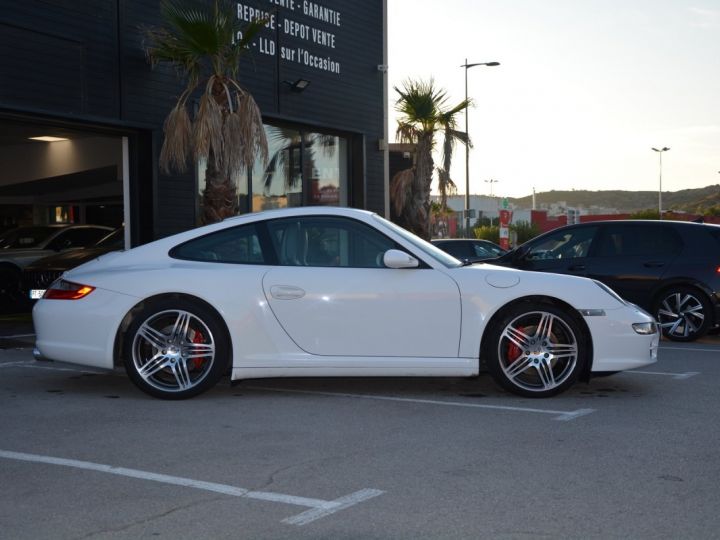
(631, 258)
(333, 295)
(564, 251)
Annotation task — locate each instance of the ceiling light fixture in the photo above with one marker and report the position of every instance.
(48, 138)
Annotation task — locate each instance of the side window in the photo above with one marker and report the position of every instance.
(328, 241)
(74, 238)
(238, 245)
(639, 240)
(566, 244)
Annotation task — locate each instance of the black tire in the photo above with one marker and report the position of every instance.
(11, 299)
(684, 313)
(536, 350)
(175, 348)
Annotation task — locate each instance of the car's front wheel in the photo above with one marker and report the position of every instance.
(175, 348)
(536, 350)
(684, 313)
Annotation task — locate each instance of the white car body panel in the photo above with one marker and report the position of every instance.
(322, 309)
(427, 321)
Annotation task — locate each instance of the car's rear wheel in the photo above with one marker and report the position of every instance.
(536, 350)
(684, 313)
(175, 348)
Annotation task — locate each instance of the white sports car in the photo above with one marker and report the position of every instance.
(331, 292)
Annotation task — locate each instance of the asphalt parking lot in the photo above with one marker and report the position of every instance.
(83, 454)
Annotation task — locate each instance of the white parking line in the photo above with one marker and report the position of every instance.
(562, 416)
(319, 508)
(17, 336)
(33, 364)
(678, 376)
(688, 349)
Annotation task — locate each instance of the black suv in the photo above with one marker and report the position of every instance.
(669, 268)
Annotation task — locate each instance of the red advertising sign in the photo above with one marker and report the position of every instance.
(505, 217)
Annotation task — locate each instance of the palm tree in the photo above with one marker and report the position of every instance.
(448, 122)
(424, 114)
(198, 39)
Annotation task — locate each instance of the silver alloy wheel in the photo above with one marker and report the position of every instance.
(681, 314)
(173, 351)
(538, 351)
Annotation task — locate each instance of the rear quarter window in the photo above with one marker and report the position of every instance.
(237, 245)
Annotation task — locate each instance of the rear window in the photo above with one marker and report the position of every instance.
(639, 240)
(461, 250)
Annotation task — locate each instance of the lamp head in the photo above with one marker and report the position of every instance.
(298, 85)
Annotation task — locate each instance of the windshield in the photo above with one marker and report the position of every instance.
(26, 237)
(114, 240)
(427, 248)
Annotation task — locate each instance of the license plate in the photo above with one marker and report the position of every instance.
(36, 294)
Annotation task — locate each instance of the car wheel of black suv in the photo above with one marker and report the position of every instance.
(684, 313)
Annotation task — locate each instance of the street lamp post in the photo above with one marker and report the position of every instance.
(491, 182)
(467, 146)
(660, 153)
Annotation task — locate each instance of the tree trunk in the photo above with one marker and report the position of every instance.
(419, 207)
(219, 195)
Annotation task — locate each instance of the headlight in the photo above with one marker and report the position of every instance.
(645, 328)
(612, 293)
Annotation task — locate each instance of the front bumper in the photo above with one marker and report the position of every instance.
(617, 346)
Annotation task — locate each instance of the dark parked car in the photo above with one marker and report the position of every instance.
(669, 268)
(469, 249)
(19, 247)
(37, 276)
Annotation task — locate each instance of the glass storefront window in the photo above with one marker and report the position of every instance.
(63, 214)
(325, 166)
(279, 184)
(303, 168)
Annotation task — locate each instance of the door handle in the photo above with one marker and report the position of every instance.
(286, 292)
(654, 264)
(576, 267)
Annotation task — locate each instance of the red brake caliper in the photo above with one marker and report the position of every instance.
(197, 338)
(513, 351)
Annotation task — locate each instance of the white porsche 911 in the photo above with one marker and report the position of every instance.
(331, 292)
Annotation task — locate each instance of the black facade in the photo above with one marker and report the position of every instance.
(80, 64)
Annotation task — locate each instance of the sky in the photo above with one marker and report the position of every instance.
(585, 89)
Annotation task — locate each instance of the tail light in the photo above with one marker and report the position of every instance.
(67, 290)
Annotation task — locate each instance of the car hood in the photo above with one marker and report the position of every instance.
(12, 253)
(68, 259)
(579, 292)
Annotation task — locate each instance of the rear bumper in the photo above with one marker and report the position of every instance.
(80, 331)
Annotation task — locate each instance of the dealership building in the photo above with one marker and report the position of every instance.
(81, 113)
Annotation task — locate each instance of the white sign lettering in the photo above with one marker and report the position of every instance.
(317, 32)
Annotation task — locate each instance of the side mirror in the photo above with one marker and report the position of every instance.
(394, 258)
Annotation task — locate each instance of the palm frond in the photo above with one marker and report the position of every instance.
(253, 132)
(208, 130)
(233, 145)
(401, 189)
(178, 130)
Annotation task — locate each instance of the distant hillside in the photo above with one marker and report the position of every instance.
(688, 200)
